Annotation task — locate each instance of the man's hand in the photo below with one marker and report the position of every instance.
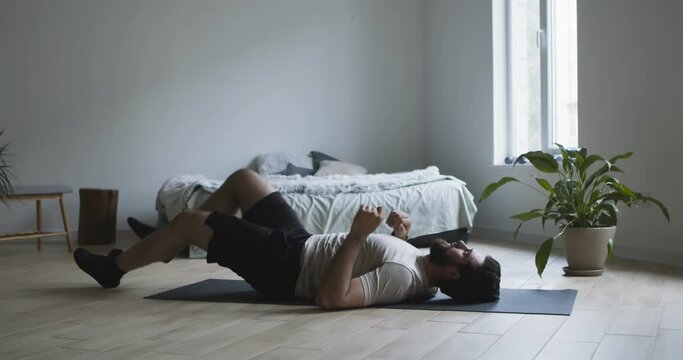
(366, 221)
(401, 223)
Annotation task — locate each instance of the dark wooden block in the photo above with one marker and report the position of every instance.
(97, 216)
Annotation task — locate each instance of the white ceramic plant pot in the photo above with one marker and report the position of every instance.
(586, 249)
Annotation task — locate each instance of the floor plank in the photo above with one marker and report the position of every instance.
(568, 350)
(635, 320)
(585, 325)
(418, 341)
(493, 323)
(668, 345)
(671, 316)
(624, 347)
(517, 345)
(462, 346)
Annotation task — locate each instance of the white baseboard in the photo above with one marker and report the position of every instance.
(655, 256)
(622, 251)
(505, 235)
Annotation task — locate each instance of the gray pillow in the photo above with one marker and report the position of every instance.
(295, 170)
(318, 156)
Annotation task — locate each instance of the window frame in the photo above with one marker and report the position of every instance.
(544, 39)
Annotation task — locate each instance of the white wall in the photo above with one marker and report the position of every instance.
(629, 100)
(124, 94)
(630, 77)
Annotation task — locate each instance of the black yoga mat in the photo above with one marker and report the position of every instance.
(520, 301)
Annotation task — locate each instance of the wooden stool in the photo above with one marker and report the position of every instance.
(40, 193)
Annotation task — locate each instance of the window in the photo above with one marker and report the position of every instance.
(539, 76)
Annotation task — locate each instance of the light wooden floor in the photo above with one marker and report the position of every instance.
(51, 310)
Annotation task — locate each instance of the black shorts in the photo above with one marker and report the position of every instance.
(263, 247)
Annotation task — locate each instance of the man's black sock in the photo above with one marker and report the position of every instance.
(102, 268)
(139, 228)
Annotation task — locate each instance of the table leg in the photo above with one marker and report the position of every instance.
(39, 220)
(66, 224)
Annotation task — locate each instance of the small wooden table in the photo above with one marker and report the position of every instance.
(40, 193)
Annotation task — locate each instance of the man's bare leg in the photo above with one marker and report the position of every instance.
(187, 228)
(242, 190)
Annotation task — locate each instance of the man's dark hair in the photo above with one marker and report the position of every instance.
(476, 284)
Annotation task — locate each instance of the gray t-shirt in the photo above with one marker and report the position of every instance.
(390, 269)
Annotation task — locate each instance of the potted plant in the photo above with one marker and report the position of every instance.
(5, 173)
(584, 204)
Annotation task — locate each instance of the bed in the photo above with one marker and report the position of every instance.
(438, 204)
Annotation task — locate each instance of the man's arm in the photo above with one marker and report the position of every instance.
(338, 289)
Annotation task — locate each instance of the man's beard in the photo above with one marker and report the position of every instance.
(438, 252)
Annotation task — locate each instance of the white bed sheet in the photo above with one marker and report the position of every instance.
(435, 207)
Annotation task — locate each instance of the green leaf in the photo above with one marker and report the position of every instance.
(518, 160)
(514, 234)
(624, 190)
(660, 205)
(544, 184)
(599, 172)
(529, 215)
(614, 168)
(615, 197)
(610, 208)
(565, 158)
(589, 162)
(579, 160)
(490, 188)
(523, 217)
(548, 207)
(542, 161)
(595, 195)
(583, 152)
(610, 248)
(604, 219)
(565, 193)
(542, 256)
(621, 157)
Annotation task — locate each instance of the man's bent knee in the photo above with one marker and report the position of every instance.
(192, 224)
(189, 217)
(244, 174)
(189, 221)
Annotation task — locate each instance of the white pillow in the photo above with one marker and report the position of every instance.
(331, 167)
(272, 163)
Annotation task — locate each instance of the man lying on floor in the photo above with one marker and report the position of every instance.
(271, 250)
